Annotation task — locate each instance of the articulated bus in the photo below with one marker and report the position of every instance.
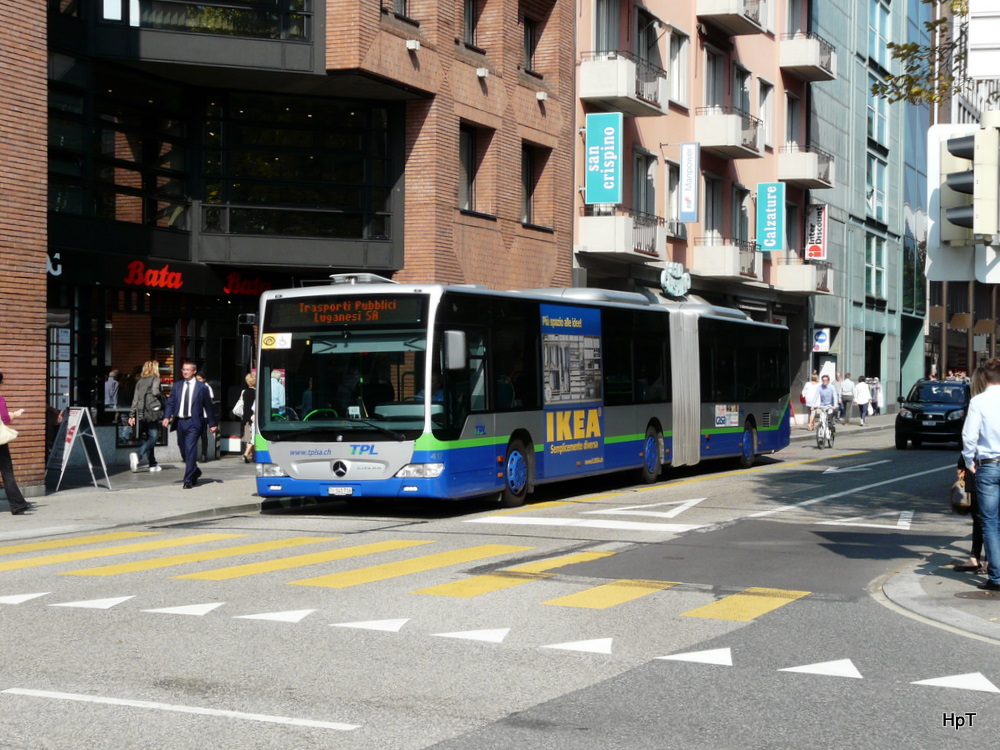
(368, 388)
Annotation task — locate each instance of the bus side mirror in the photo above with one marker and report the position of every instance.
(246, 351)
(454, 350)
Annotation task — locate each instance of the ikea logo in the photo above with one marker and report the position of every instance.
(572, 424)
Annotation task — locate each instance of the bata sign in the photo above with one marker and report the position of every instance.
(139, 274)
(160, 278)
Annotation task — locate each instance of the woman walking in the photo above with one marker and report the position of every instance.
(15, 499)
(147, 410)
(247, 419)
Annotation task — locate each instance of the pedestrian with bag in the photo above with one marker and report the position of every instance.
(190, 405)
(863, 398)
(15, 499)
(976, 562)
(147, 412)
(981, 452)
(808, 393)
(243, 410)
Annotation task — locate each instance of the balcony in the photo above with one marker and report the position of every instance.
(728, 132)
(622, 233)
(620, 82)
(808, 57)
(797, 276)
(721, 258)
(735, 17)
(806, 167)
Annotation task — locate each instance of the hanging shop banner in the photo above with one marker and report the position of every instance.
(771, 216)
(604, 158)
(816, 219)
(690, 171)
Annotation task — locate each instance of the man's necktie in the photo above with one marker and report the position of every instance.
(188, 394)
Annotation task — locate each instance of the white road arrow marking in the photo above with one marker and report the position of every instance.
(905, 518)
(96, 603)
(597, 646)
(194, 610)
(971, 681)
(630, 510)
(839, 668)
(585, 523)
(19, 598)
(490, 636)
(859, 467)
(721, 656)
(388, 626)
(295, 615)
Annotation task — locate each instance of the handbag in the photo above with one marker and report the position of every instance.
(6, 433)
(959, 499)
(238, 406)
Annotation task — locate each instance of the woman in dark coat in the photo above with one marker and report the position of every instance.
(247, 420)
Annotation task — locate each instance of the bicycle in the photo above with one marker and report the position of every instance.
(826, 428)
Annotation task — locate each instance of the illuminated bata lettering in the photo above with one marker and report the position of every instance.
(161, 278)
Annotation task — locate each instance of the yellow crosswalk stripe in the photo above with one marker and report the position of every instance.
(747, 605)
(406, 567)
(611, 594)
(299, 561)
(508, 577)
(215, 554)
(125, 549)
(76, 541)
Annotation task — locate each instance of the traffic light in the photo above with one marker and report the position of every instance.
(976, 157)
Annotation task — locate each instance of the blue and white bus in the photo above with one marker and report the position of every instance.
(368, 388)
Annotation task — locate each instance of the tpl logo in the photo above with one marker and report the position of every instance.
(363, 450)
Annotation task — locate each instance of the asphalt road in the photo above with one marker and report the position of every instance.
(715, 609)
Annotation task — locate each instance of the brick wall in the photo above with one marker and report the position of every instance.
(23, 231)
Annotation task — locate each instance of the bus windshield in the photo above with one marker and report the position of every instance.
(360, 374)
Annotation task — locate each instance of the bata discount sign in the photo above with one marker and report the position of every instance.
(816, 220)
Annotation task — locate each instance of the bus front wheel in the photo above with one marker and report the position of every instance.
(516, 475)
(652, 448)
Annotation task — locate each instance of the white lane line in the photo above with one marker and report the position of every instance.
(585, 523)
(853, 491)
(182, 709)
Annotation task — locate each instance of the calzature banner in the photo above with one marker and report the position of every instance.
(771, 216)
(604, 158)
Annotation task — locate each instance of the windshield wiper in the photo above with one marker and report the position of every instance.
(384, 430)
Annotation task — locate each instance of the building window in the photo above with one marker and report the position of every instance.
(471, 21)
(530, 43)
(467, 168)
(533, 180)
(875, 188)
(741, 214)
(878, 32)
(875, 266)
(792, 120)
(715, 76)
(878, 108)
(673, 191)
(793, 230)
(644, 185)
(606, 18)
(713, 208)
(678, 73)
(741, 89)
(765, 111)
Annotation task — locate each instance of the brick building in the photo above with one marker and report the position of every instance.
(201, 153)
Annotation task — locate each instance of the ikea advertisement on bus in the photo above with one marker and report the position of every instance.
(573, 378)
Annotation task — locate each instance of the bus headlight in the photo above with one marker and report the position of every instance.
(270, 470)
(420, 471)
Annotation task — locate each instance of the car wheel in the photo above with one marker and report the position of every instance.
(900, 442)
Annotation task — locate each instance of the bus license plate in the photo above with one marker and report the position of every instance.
(340, 491)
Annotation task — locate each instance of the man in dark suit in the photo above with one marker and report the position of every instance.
(191, 403)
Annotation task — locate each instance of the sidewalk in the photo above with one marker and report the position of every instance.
(930, 588)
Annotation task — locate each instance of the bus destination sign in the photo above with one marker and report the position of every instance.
(320, 311)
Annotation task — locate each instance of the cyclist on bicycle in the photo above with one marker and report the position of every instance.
(825, 397)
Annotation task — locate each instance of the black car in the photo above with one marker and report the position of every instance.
(934, 411)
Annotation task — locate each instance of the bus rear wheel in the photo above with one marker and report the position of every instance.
(652, 449)
(516, 475)
(749, 452)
